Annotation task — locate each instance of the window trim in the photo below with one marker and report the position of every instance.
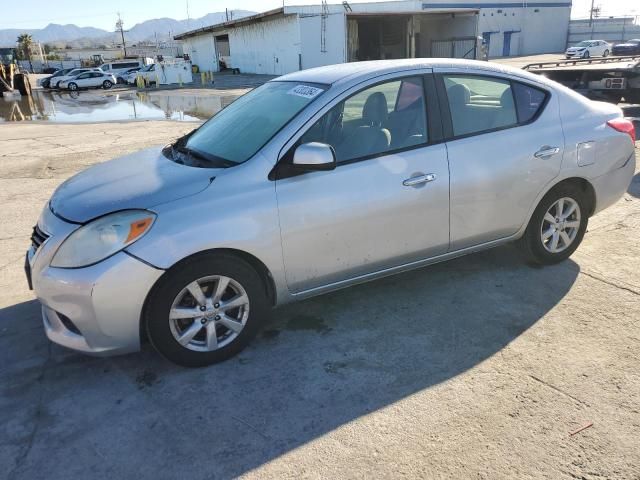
(447, 120)
(431, 112)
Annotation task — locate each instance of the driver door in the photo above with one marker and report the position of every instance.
(387, 201)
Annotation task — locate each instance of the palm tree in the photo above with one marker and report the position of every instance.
(25, 42)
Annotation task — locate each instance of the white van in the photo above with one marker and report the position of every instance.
(121, 65)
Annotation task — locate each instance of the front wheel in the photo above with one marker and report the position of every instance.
(557, 226)
(73, 86)
(107, 84)
(585, 54)
(206, 310)
(605, 53)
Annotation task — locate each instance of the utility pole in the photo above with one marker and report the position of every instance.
(591, 13)
(119, 25)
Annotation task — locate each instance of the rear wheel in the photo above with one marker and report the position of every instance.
(206, 310)
(557, 226)
(107, 84)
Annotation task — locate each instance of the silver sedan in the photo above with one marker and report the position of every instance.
(315, 181)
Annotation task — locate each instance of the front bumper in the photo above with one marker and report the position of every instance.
(97, 309)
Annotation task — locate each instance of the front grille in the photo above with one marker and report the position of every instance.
(38, 237)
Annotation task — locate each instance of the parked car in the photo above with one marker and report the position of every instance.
(148, 73)
(47, 81)
(589, 48)
(121, 77)
(95, 79)
(315, 181)
(630, 47)
(55, 83)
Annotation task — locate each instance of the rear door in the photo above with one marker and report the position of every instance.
(505, 145)
(387, 201)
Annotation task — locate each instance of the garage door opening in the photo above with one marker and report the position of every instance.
(223, 51)
(378, 37)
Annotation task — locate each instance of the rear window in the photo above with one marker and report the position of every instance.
(529, 101)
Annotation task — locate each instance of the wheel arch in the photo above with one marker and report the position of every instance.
(252, 260)
(582, 183)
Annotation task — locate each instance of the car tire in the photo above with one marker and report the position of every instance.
(537, 244)
(605, 53)
(164, 310)
(107, 84)
(586, 54)
(72, 86)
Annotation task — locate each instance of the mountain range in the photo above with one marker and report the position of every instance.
(164, 28)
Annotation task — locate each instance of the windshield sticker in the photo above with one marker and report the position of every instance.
(305, 91)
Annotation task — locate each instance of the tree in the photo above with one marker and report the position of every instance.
(25, 42)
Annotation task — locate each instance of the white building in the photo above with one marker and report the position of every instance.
(298, 37)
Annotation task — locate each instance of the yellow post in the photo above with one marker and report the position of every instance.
(157, 81)
(202, 78)
(180, 79)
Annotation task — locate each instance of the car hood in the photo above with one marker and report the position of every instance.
(139, 180)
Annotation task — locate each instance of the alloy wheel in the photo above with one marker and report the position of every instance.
(209, 313)
(560, 225)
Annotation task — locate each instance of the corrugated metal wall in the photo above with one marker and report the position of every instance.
(270, 47)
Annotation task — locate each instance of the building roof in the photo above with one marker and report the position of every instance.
(259, 17)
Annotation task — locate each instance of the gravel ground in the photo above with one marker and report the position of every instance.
(476, 368)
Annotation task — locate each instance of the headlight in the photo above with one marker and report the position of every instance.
(102, 238)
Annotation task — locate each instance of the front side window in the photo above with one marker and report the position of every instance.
(238, 131)
(478, 104)
(386, 117)
(84, 75)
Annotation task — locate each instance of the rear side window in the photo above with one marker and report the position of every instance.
(479, 104)
(529, 101)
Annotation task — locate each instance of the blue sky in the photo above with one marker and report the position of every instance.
(39, 13)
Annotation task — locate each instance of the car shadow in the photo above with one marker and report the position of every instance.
(634, 187)
(315, 366)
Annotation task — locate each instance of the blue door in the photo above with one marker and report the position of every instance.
(506, 44)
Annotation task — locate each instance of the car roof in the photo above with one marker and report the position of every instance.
(354, 71)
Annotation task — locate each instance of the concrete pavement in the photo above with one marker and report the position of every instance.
(476, 368)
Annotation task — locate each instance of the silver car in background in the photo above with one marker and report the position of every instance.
(315, 181)
(95, 79)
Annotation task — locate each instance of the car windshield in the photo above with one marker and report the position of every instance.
(584, 44)
(238, 131)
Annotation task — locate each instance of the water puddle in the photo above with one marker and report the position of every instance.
(84, 107)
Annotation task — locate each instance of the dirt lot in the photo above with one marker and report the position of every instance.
(477, 368)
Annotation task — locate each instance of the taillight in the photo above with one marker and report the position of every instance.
(625, 126)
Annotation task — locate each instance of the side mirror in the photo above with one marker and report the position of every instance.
(314, 156)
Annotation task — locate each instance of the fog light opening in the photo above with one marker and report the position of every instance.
(68, 324)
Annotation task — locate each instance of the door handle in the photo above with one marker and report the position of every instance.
(419, 180)
(546, 151)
